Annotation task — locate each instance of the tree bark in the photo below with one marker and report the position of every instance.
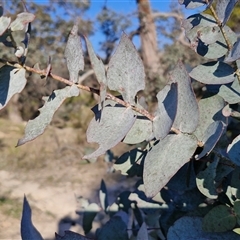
(148, 37)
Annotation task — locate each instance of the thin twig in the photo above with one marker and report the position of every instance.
(219, 23)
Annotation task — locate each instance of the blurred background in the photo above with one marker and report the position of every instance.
(50, 170)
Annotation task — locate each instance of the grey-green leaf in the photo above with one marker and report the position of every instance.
(220, 219)
(224, 9)
(68, 235)
(192, 3)
(210, 111)
(88, 216)
(28, 231)
(190, 228)
(234, 53)
(205, 180)
(196, 25)
(37, 126)
(115, 228)
(140, 131)
(109, 126)
(166, 111)
(233, 150)
(165, 159)
(12, 81)
(187, 115)
(99, 70)
(213, 73)
(210, 138)
(21, 21)
(74, 54)
(143, 232)
(126, 73)
(4, 23)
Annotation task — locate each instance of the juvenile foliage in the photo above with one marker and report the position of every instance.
(186, 153)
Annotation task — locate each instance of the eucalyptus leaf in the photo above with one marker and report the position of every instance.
(187, 115)
(4, 23)
(224, 9)
(190, 228)
(37, 126)
(140, 131)
(28, 231)
(210, 138)
(69, 235)
(205, 180)
(115, 228)
(109, 126)
(233, 150)
(192, 3)
(166, 111)
(12, 81)
(143, 232)
(220, 219)
(165, 159)
(22, 21)
(210, 109)
(234, 53)
(196, 25)
(88, 216)
(125, 72)
(103, 196)
(213, 73)
(74, 54)
(99, 70)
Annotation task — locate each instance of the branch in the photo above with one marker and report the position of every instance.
(219, 23)
(178, 16)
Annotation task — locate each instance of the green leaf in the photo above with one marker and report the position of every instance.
(187, 115)
(233, 150)
(4, 23)
(220, 219)
(143, 232)
(166, 111)
(126, 73)
(165, 159)
(195, 25)
(37, 126)
(224, 9)
(68, 235)
(88, 216)
(210, 110)
(12, 81)
(210, 138)
(28, 231)
(205, 180)
(74, 54)
(213, 73)
(109, 126)
(21, 21)
(190, 228)
(115, 228)
(99, 70)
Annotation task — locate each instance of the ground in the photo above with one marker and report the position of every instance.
(51, 173)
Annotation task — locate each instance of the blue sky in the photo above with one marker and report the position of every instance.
(127, 7)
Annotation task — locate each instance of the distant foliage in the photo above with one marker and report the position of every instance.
(187, 152)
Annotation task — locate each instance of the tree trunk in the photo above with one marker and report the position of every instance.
(148, 37)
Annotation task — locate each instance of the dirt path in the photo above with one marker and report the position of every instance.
(50, 172)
